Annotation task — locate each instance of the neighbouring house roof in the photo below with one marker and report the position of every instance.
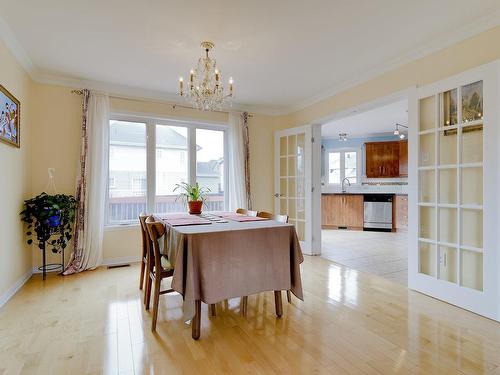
(209, 168)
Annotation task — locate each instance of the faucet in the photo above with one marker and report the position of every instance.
(344, 190)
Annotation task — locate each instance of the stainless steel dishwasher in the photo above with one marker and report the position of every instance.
(378, 211)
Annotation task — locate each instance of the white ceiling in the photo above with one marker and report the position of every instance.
(283, 54)
(375, 122)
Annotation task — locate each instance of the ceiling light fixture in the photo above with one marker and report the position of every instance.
(205, 90)
(343, 137)
(399, 132)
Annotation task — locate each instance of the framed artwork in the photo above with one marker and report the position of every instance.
(10, 123)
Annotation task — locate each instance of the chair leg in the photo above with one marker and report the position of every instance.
(278, 303)
(244, 305)
(156, 301)
(196, 322)
(289, 296)
(147, 294)
(213, 310)
(141, 281)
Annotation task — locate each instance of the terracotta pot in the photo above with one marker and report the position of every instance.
(195, 207)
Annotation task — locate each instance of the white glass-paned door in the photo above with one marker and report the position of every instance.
(455, 247)
(293, 180)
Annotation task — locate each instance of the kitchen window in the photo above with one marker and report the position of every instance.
(148, 157)
(342, 164)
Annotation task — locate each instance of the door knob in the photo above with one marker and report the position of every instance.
(277, 195)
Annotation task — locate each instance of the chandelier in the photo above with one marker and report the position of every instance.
(205, 90)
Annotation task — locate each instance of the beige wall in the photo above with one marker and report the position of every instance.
(15, 181)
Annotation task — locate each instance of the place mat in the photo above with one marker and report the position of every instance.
(174, 215)
(244, 218)
(186, 221)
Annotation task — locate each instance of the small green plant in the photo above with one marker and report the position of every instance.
(191, 193)
(49, 220)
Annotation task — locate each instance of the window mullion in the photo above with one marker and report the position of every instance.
(151, 165)
(192, 154)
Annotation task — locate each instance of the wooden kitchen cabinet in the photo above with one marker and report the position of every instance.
(342, 210)
(386, 159)
(400, 219)
(403, 158)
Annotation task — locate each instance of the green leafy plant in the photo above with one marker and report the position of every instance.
(49, 220)
(191, 193)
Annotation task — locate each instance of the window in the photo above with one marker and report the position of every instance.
(343, 164)
(148, 158)
(127, 171)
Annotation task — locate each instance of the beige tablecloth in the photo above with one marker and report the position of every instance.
(225, 260)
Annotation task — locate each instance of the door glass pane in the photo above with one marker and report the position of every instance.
(448, 147)
(283, 146)
(427, 150)
(449, 109)
(472, 228)
(127, 171)
(301, 209)
(301, 230)
(427, 113)
(472, 144)
(283, 206)
(351, 166)
(427, 187)
(172, 160)
(472, 185)
(283, 186)
(428, 222)
(292, 187)
(427, 258)
(472, 102)
(448, 263)
(300, 154)
(292, 144)
(292, 166)
(292, 208)
(448, 225)
(334, 168)
(210, 166)
(448, 185)
(472, 269)
(283, 166)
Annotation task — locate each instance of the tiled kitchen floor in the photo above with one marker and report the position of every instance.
(380, 253)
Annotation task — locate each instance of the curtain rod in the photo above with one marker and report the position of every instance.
(80, 92)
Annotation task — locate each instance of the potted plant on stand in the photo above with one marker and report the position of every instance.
(49, 220)
(194, 195)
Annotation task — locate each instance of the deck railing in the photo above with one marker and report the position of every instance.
(125, 210)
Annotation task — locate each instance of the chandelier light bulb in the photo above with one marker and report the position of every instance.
(396, 132)
(402, 136)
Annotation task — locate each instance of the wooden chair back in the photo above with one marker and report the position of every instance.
(270, 216)
(156, 230)
(244, 211)
(144, 234)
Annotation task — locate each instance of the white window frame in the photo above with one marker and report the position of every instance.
(342, 152)
(151, 122)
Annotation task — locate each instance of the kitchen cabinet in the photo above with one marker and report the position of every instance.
(400, 209)
(342, 210)
(386, 159)
(403, 158)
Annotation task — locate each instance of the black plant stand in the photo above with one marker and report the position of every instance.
(50, 266)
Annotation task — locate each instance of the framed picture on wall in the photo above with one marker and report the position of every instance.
(9, 118)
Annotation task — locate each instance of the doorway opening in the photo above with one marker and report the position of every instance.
(364, 190)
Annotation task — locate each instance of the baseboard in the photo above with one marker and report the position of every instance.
(120, 260)
(14, 288)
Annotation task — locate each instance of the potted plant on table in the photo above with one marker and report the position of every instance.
(194, 195)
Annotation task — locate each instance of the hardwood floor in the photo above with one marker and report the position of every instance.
(350, 323)
(380, 253)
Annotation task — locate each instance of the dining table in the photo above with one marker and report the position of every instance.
(217, 256)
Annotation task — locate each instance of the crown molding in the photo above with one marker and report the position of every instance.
(456, 36)
(16, 49)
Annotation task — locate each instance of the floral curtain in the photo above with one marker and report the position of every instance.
(91, 183)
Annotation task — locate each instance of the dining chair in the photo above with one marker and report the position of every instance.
(244, 211)
(159, 266)
(144, 252)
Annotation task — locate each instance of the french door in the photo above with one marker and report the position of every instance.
(293, 149)
(454, 143)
